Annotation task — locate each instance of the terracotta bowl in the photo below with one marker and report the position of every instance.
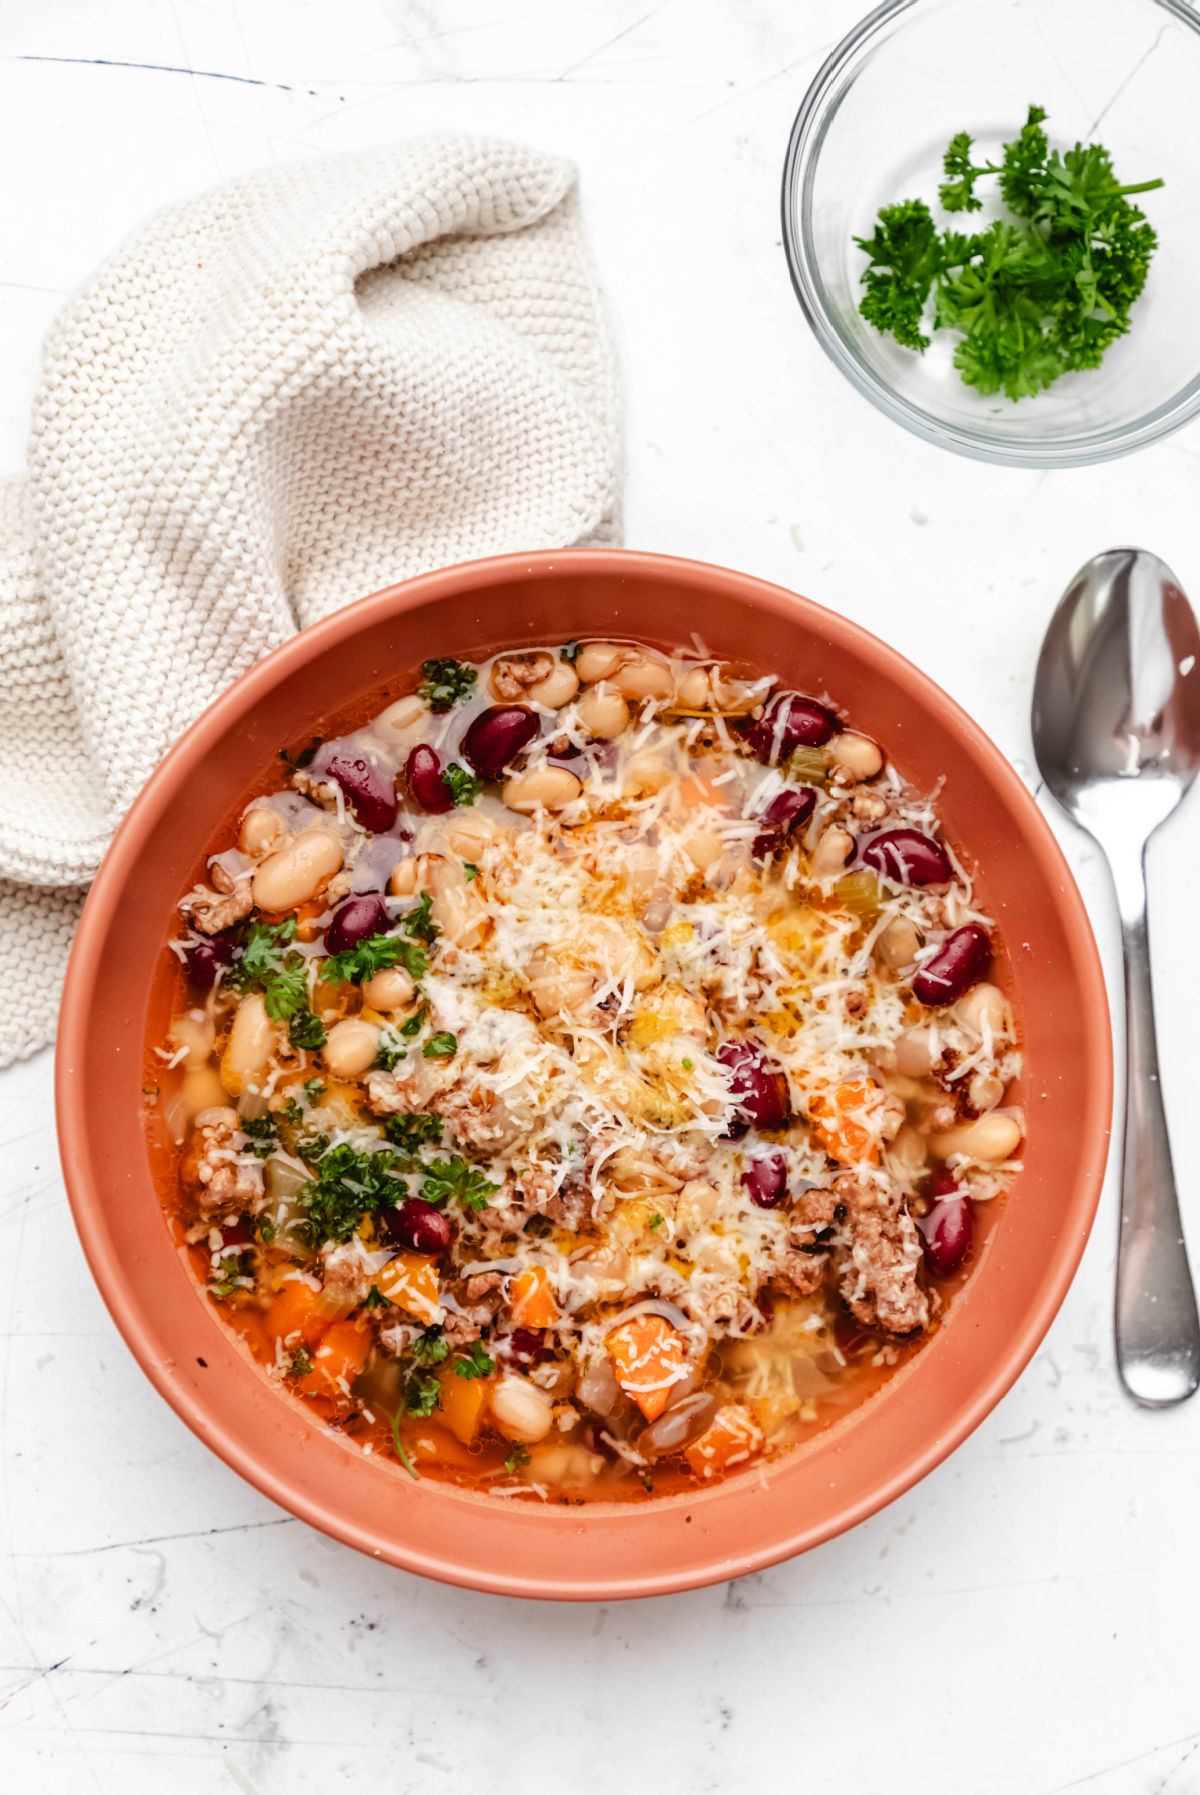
(119, 984)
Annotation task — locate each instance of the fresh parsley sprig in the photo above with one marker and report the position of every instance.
(416, 933)
(464, 786)
(267, 964)
(455, 1180)
(355, 965)
(1040, 293)
(409, 1133)
(477, 1363)
(347, 1187)
(444, 683)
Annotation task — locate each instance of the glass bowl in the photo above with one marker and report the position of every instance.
(872, 130)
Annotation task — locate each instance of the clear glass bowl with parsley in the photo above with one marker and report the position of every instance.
(873, 132)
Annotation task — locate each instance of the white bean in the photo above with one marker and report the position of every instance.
(857, 755)
(406, 877)
(391, 989)
(898, 944)
(251, 1041)
(596, 660)
(558, 688)
(261, 830)
(695, 690)
(351, 1047)
(646, 773)
(396, 724)
(643, 677)
(985, 1090)
(695, 1206)
(297, 872)
(991, 1137)
(603, 712)
(832, 851)
(908, 1149)
(985, 1004)
(456, 906)
(561, 993)
(520, 1410)
(471, 836)
(542, 788)
(196, 1036)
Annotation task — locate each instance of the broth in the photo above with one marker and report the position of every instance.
(585, 1073)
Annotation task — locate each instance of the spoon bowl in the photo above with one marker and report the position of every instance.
(1116, 731)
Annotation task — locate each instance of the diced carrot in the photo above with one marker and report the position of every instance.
(249, 1324)
(295, 1312)
(532, 1300)
(410, 1281)
(647, 1355)
(841, 1119)
(336, 1362)
(462, 1405)
(438, 1446)
(731, 1436)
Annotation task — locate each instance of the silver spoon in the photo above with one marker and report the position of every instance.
(1116, 731)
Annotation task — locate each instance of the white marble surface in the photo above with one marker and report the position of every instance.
(1024, 1620)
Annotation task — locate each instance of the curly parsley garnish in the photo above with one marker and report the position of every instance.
(229, 1275)
(419, 921)
(440, 1047)
(269, 965)
(476, 1363)
(348, 1187)
(355, 965)
(411, 1132)
(464, 786)
(453, 1179)
(262, 1134)
(1034, 295)
(389, 1053)
(306, 1031)
(445, 683)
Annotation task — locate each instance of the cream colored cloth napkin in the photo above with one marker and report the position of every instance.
(274, 399)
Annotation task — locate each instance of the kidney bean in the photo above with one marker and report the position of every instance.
(906, 857)
(948, 1228)
(756, 1086)
(789, 721)
(237, 1234)
(765, 1180)
(370, 793)
(959, 963)
(208, 958)
(426, 785)
(525, 1345)
(418, 1226)
(940, 1182)
(784, 817)
(497, 736)
(356, 918)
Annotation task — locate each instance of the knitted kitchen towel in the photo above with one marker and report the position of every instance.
(273, 399)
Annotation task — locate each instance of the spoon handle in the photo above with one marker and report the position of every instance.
(1158, 1330)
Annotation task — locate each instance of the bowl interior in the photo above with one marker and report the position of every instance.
(119, 979)
(873, 130)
